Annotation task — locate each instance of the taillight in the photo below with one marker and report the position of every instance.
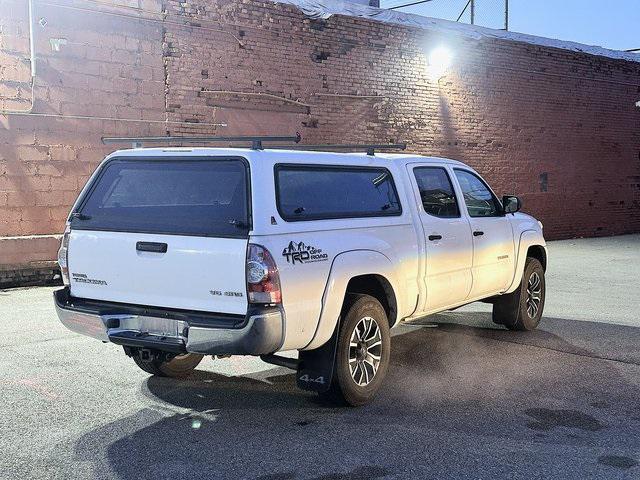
(63, 256)
(263, 280)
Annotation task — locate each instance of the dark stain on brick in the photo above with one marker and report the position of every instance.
(544, 181)
(320, 56)
(345, 47)
(317, 24)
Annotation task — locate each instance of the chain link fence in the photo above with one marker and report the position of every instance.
(487, 13)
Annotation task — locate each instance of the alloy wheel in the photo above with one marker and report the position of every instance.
(365, 351)
(534, 294)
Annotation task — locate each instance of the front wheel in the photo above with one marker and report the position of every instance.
(363, 352)
(179, 366)
(522, 309)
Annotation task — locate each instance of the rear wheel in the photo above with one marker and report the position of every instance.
(522, 309)
(179, 366)
(363, 352)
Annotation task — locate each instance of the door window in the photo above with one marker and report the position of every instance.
(436, 192)
(481, 202)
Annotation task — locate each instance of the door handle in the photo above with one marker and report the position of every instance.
(435, 237)
(478, 233)
(151, 247)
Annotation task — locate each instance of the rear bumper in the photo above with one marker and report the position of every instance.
(261, 331)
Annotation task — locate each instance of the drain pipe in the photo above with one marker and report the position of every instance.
(32, 58)
(32, 41)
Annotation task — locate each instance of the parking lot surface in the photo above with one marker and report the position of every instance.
(463, 398)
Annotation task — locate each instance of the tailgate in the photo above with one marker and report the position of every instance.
(165, 232)
(195, 273)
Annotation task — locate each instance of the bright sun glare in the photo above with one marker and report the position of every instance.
(439, 61)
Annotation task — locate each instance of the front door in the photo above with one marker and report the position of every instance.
(493, 250)
(447, 239)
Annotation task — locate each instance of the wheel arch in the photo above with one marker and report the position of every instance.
(531, 244)
(540, 253)
(357, 271)
(379, 288)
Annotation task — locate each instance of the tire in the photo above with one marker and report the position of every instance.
(365, 321)
(180, 366)
(522, 309)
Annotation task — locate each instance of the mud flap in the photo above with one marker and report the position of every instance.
(315, 370)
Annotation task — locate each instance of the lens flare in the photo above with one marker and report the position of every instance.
(439, 61)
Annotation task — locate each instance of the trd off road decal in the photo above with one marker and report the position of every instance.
(301, 253)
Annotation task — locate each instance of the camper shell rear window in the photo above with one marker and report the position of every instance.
(177, 196)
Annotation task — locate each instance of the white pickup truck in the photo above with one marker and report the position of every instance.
(177, 253)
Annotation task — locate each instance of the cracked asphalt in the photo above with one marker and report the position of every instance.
(463, 399)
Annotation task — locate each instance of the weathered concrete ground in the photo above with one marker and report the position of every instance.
(464, 399)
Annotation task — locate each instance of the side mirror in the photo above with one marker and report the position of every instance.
(511, 204)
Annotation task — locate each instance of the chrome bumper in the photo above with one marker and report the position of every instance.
(261, 332)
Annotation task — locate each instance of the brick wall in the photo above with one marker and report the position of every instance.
(88, 65)
(557, 127)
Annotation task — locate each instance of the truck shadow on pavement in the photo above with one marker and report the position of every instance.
(457, 398)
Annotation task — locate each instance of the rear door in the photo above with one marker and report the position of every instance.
(447, 237)
(493, 248)
(166, 232)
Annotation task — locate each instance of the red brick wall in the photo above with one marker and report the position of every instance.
(512, 110)
(109, 67)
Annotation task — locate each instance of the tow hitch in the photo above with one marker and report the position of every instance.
(145, 355)
(148, 355)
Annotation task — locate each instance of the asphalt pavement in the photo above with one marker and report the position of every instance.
(463, 398)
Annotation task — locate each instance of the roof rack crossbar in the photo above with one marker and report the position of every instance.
(255, 140)
(368, 148)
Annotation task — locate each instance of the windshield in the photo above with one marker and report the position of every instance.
(183, 197)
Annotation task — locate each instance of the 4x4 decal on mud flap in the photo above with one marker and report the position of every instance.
(303, 253)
